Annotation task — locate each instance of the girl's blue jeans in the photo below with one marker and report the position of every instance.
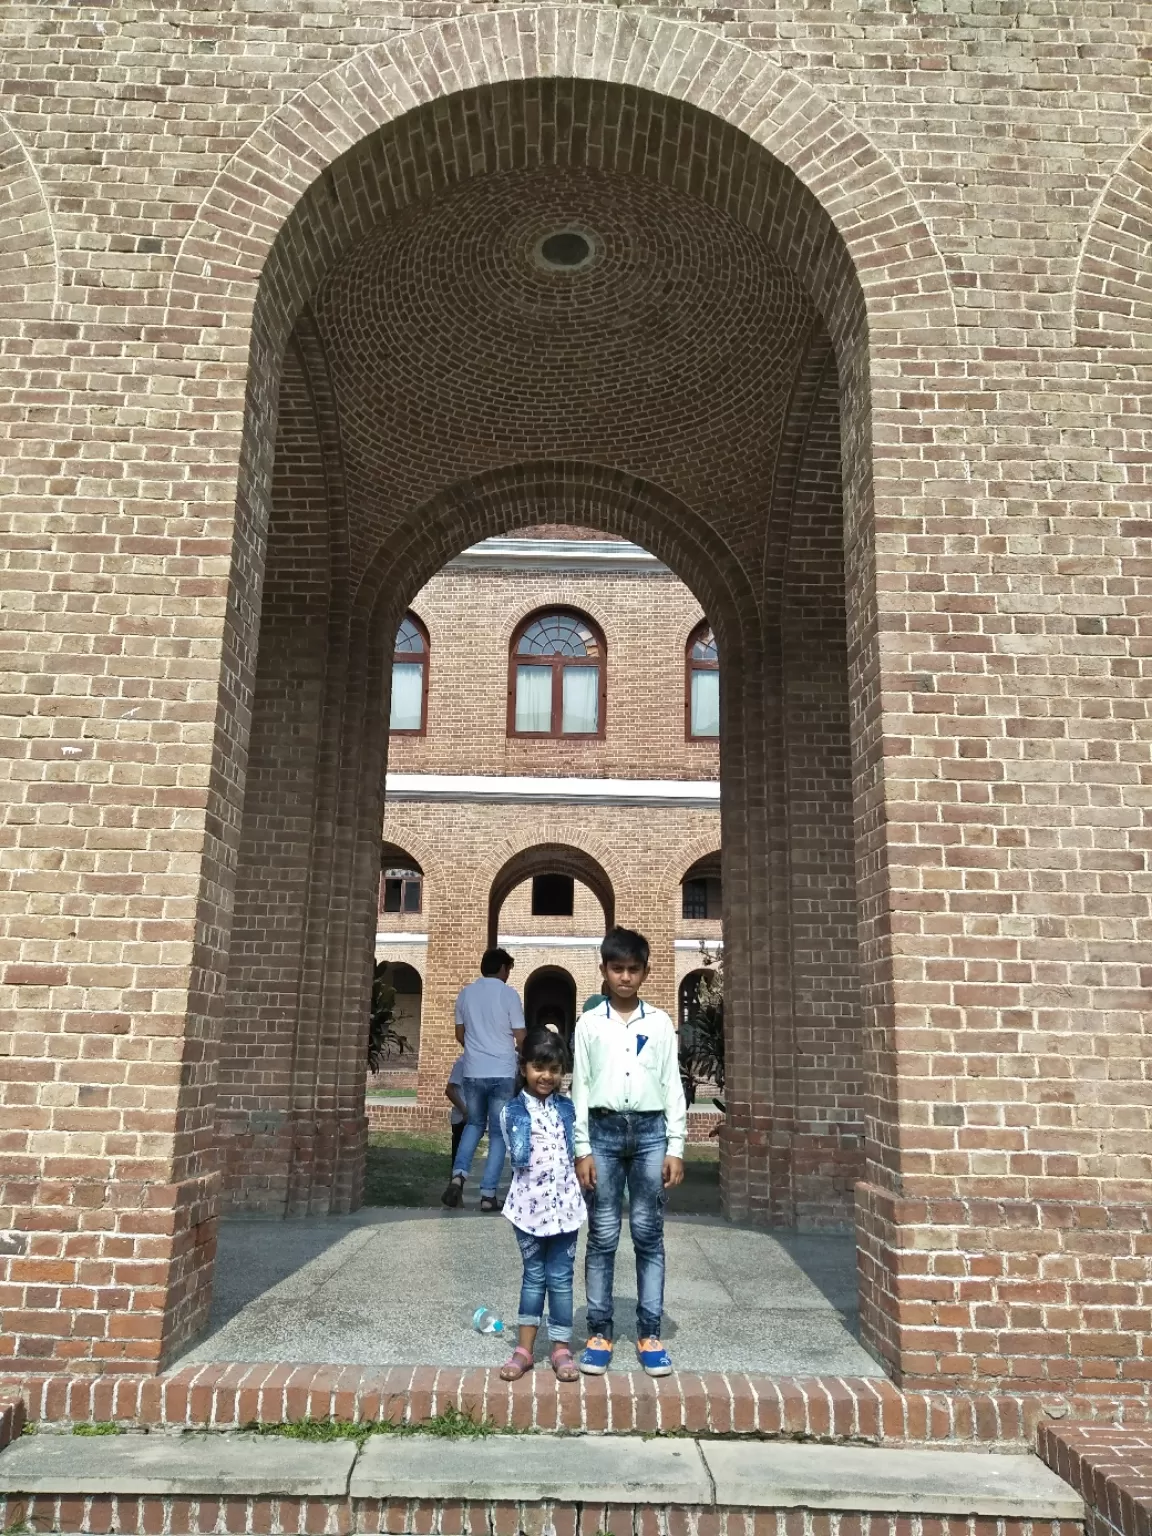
(549, 1263)
(629, 1150)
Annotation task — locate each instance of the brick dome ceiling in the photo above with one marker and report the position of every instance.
(453, 348)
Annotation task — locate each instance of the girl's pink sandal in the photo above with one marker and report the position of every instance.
(563, 1364)
(518, 1364)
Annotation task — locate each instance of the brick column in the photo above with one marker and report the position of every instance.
(123, 830)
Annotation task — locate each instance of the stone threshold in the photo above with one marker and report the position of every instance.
(862, 1409)
(576, 1471)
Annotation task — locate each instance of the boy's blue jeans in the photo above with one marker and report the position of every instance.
(549, 1263)
(485, 1098)
(629, 1149)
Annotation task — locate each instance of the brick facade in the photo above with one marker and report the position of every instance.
(469, 850)
(864, 353)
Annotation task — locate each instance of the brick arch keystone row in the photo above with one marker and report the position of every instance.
(434, 878)
(521, 495)
(513, 861)
(29, 267)
(1112, 290)
(677, 867)
(899, 266)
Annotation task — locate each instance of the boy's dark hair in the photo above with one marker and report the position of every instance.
(541, 1048)
(624, 944)
(493, 961)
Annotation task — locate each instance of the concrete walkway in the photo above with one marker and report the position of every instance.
(580, 1470)
(391, 1287)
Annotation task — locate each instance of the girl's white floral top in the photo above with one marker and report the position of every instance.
(546, 1198)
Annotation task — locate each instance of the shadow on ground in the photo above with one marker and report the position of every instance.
(398, 1285)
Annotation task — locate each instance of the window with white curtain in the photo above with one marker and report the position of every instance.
(557, 677)
(702, 703)
(409, 678)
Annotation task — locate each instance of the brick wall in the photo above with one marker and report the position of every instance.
(471, 617)
(642, 854)
(952, 202)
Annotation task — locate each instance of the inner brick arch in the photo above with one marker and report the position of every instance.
(550, 859)
(29, 269)
(1112, 294)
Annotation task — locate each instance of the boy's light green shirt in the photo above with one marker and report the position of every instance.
(627, 1065)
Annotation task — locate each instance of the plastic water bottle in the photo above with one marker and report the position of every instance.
(484, 1320)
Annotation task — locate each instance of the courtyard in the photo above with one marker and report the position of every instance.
(398, 1284)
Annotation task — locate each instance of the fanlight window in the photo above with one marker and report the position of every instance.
(556, 687)
(410, 678)
(702, 704)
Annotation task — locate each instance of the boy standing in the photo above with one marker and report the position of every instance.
(630, 1127)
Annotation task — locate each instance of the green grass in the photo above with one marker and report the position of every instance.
(96, 1429)
(450, 1424)
(410, 1169)
(392, 1093)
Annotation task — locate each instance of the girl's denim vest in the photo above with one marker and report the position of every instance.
(516, 1120)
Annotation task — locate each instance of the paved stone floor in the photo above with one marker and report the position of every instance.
(390, 1287)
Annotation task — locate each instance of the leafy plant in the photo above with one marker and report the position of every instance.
(104, 1428)
(450, 1424)
(702, 1033)
(383, 1040)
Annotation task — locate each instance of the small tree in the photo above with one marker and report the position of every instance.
(383, 1040)
(702, 1033)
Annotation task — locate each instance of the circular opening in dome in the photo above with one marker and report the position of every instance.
(566, 249)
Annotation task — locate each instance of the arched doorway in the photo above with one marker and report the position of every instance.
(408, 986)
(405, 513)
(550, 999)
(701, 891)
(596, 442)
(550, 864)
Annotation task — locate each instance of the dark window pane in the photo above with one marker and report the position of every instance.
(392, 895)
(695, 898)
(552, 895)
(412, 895)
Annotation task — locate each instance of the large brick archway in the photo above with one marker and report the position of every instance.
(723, 179)
(706, 405)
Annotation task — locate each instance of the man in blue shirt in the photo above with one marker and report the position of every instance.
(490, 1027)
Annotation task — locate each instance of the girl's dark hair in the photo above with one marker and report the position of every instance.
(542, 1048)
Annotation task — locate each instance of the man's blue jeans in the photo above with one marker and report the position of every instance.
(549, 1263)
(485, 1098)
(629, 1149)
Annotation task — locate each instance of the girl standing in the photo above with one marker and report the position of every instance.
(545, 1204)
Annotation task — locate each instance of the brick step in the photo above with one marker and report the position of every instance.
(230, 1396)
(502, 1485)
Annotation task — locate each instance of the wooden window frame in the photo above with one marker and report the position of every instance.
(558, 663)
(408, 657)
(691, 666)
(403, 881)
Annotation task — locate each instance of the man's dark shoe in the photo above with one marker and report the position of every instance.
(454, 1194)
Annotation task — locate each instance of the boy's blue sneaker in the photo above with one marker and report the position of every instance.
(653, 1357)
(596, 1356)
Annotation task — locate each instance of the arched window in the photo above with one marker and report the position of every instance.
(556, 677)
(410, 679)
(702, 684)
